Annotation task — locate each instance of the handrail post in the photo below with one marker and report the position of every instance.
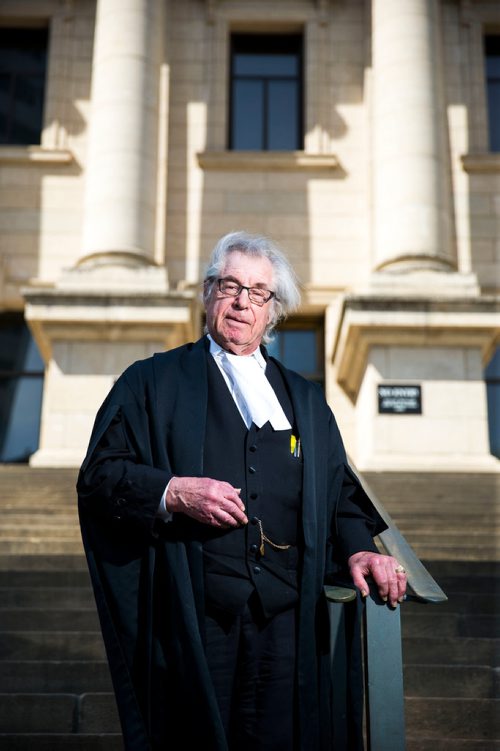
(383, 675)
(338, 598)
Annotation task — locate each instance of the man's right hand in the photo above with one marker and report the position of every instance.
(208, 501)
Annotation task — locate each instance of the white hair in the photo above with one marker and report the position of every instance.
(285, 282)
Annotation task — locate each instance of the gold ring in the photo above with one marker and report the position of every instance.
(400, 570)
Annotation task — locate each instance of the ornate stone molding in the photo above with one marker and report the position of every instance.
(487, 162)
(267, 161)
(56, 315)
(34, 155)
(369, 321)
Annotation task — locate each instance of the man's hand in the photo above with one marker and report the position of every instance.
(208, 501)
(382, 569)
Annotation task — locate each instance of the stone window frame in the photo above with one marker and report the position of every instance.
(222, 21)
(56, 17)
(479, 22)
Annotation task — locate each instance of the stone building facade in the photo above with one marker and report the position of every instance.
(387, 203)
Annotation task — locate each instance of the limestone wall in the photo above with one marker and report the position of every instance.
(41, 188)
(325, 204)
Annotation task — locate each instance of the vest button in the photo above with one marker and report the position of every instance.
(253, 548)
(253, 448)
(254, 520)
(252, 470)
(256, 569)
(253, 496)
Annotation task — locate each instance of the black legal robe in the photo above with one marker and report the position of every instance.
(260, 463)
(149, 582)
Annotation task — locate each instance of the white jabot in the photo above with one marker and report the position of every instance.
(252, 393)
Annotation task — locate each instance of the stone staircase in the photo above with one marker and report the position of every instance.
(54, 679)
(450, 650)
(55, 690)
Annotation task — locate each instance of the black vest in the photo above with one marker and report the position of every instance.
(262, 464)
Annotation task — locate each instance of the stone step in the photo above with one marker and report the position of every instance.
(52, 531)
(58, 713)
(429, 623)
(54, 676)
(447, 513)
(49, 619)
(23, 498)
(71, 570)
(88, 645)
(61, 742)
(450, 718)
(432, 623)
(113, 742)
(418, 743)
(479, 603)
(47, 597)
(464, 552)
(45, 579)
(32, 488)
(461, 568)
(45, 563)
(464, 586)
(446, 509)
(439, 650)
(52, 502)
(461, 531)
(435, 485)
(456, 539)
(452, 681)
(45, 645)
(52, 514)
(35, 546)
(70, 592)
(439, 718)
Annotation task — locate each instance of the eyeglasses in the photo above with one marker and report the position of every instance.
(257, 295)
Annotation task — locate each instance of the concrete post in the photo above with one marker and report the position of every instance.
(121, 181)
(411, 202)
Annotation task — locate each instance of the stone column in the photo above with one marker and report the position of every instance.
(411, 192)
(122, 165)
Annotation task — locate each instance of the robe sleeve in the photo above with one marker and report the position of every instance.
(355, 521)
(117, 480)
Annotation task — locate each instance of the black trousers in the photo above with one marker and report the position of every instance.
(252, 664)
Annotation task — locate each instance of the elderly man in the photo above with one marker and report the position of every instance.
(215, 500)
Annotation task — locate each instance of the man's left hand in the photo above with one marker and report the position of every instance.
(385, 571)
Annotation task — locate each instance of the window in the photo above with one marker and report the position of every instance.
(492, 378)
(492, 60)
(21, 384)
(299, 346)
(23, 60)
(266, 92)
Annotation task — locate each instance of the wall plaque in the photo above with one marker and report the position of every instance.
(399, 399)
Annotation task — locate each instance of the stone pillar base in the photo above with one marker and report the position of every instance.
(87, 338)
(409, 280)
(456, 464)
(63, 458)
(441, 345)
